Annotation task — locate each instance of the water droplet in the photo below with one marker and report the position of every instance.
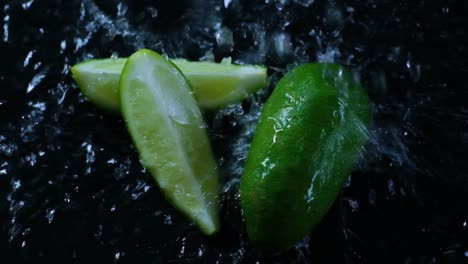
(281, 44)
(28, 58)
(153, 11)
(27, 4)
(414, 69)
(167, 220)
(372, 196)
(329, 55)
(304, 3)
(36, 80)
(226, 3)
(353, 204)
(63, 45)
(5, 26)
(16, 184)
(224, 38)
(391, 187)
(121, 9)
(50, 215)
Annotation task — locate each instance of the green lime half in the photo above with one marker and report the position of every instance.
(311, 131)
(168, 130)
(215, 85)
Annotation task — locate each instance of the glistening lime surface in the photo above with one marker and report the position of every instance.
(311, 131)
(168, 130)
(215, 85)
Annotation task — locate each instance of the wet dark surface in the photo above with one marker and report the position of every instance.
(71, 186)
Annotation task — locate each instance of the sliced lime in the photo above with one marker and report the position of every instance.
(99, 81)
(168, 130)
(215, 85)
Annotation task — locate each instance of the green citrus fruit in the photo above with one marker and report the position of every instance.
(215, 85)
(167, 127)
(311, 131)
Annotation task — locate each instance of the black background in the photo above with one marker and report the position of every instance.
(406, 201)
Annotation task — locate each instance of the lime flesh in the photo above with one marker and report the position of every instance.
(215, 85)
(167, 127)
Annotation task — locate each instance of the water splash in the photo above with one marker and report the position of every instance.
(43, 182)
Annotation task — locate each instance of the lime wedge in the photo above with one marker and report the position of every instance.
(215, 85)
(167, 127)
(99, 81)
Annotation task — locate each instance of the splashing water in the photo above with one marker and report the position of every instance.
(69, 174)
